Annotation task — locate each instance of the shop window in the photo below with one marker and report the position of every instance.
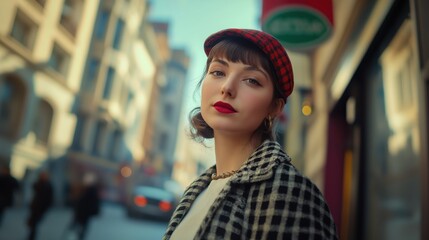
(60, 60)
(402, 81)
(400, 70)
(12, 98)
(24, 30)
(392, 145)
(42, 122)
(71, 15)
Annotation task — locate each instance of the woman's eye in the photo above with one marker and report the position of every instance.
(253, 81)
(217, 73)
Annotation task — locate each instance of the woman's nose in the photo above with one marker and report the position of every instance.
(228, 87)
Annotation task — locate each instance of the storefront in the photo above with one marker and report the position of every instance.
(374, 77)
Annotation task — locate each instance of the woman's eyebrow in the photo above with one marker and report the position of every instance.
(220, 61)
(253, 68)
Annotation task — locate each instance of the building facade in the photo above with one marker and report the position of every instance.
(166, 107)
(366, 140)
(169, 110)
(87, 86)
(115, 96)
(43, 45)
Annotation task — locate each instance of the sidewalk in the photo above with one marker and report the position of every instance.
(52, 226)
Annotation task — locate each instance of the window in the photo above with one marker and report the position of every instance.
(42, 122)
(118, 34)
(59, 60)
(72, 11)
(5, 99)
(101, 24)
(93, 68)
(109, 83)
(78, 134)
(12, 95)
(91, 73)
(100, 132)
(24, 30)
(392, 147)
(115, 142)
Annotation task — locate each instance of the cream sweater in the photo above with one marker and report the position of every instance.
(192, 221)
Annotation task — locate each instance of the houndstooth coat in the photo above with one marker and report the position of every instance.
(267, 199)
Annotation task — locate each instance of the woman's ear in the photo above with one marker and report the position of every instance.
(277, 108)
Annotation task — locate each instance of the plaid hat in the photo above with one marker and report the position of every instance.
(269, 45)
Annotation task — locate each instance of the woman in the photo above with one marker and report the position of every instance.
(253, 191)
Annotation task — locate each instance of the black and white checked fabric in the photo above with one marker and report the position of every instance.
(267, 199)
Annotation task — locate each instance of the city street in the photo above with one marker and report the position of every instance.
(111, 224)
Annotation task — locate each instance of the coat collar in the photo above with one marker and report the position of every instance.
(257, 168)
(261, 163)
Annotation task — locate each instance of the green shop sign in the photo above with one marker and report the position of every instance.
(298, 28)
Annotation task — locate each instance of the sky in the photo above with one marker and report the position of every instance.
(192, 21)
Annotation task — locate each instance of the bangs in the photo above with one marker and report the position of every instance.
(238, 50)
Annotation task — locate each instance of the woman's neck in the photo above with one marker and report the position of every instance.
(232, 152)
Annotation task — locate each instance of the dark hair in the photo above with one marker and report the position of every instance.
(234, 50)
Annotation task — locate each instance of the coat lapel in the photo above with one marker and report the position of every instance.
(261, 163)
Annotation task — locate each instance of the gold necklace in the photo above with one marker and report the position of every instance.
(223, 175)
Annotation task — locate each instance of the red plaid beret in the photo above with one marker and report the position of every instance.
(269, 45)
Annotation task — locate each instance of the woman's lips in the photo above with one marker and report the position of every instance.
(223, 107)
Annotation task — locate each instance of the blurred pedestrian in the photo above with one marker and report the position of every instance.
(41, 202)
(8, 186)
(86, 206)
(253, 191)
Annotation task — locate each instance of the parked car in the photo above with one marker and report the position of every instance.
(149, 201)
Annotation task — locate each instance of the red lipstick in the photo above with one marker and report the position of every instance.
(223, 107)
